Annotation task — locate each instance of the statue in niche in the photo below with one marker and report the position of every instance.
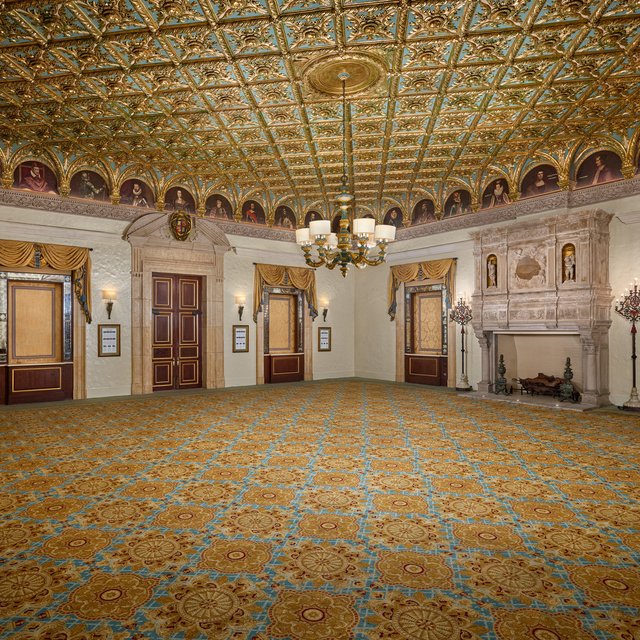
(568, 263)
(492, 271)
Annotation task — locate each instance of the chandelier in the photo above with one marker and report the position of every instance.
(345, 247)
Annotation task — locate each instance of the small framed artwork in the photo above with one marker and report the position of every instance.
(240, 338)
(108, 340)
(324, 338)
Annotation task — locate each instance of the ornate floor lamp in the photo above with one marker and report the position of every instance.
(461, 314)
(628, 306)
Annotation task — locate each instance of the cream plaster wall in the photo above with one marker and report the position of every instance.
(240, 368)
(111, 266)
(624, 266)
(376, 334)
(363, 336)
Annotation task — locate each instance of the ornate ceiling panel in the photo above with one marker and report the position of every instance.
(220, 90)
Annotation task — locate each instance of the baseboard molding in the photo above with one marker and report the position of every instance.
(108, 392)
(328, 375)
(376, 375)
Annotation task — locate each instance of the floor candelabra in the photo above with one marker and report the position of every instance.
(461, 314)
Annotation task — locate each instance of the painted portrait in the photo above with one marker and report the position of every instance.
(311, 215)
(424, 211)
(179, 199)
(89, 185)
(394, 217)
(218, 206)
(285, 217)
(539, 180)
(457, 203)
(598, 168)
(496, 194)
(35, 176)
(253, 212)
(137, 193)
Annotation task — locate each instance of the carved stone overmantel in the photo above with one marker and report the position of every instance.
(552, 276)
(154, 249)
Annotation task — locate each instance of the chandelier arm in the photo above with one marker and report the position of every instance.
(309, 260)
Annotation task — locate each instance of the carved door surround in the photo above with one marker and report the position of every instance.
(154, 249)
(449, 371)
(283, 337)
(533, 292)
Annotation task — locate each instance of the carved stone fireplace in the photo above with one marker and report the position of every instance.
(541, 295)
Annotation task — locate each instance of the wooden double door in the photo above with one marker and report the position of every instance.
(176, 331)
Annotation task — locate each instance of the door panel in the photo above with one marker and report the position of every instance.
(284, 359)
(282, 323)
(35, 370)
(162, 289)
(426, 369)
(426, 359)
(177, 332)
(35, 321)
(427, 323)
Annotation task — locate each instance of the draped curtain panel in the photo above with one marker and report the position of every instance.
(444, 270)
(14, 254)
(277, 276)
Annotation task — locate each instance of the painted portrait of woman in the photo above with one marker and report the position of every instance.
(539, 180)
(179, 199)
(285, 217)
(496, 194)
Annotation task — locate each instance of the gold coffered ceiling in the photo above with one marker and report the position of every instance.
(216, 89)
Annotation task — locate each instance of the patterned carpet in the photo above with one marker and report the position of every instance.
(331, 510)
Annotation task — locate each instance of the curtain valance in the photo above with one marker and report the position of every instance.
(277, 276)
(15, 254)
(429, 270)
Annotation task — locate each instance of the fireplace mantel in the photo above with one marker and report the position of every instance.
(549, 275)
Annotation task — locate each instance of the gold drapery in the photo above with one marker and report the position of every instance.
(15, 254)
(276, 276)
(430, 270)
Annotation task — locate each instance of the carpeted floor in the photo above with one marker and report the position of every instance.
(343, 509)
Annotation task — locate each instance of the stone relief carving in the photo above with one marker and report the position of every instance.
(528, 267)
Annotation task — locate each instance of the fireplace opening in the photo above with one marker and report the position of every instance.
(528, 354)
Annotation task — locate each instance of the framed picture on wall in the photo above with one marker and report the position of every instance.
(108, 340)
(324, 338)
(240, 338)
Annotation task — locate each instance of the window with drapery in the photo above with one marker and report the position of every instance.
(15, 254)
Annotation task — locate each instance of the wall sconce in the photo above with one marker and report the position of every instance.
(325, 309)
(240, 300)
(109, 296)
